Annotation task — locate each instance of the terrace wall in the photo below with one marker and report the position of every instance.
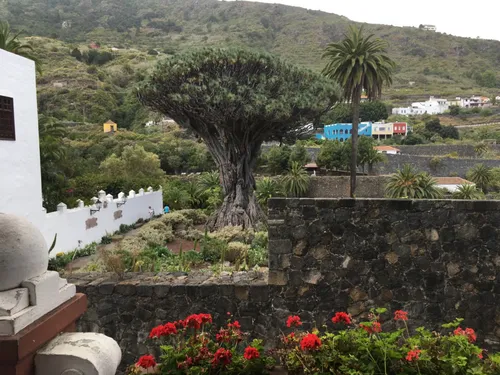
(438, 260)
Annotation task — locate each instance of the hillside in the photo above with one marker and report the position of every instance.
(428, 63)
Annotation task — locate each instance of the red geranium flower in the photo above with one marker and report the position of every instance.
(223, 336)
(469, 332)
(413, 355)
(251, 353)
(373, 327)
(480, 355)
(235, 325)
(193, 321)
(310, 342)
(222, 357)
(401, 315)
(293, 321)
(164, 330)
(342, 317)
(205, 318)
(146, 361)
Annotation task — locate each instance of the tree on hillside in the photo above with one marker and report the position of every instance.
(358, 63)
(235, 100)
(134, 163)
(11, 43)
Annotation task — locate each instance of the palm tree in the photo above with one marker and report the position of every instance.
(481, 175)
(266, 188)
(10, 42)
(296, 181)
(411, 184)
(467, 191)
(358, 63)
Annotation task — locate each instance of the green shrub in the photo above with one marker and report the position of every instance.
(198, 217)
(106, 239)
(176, 221)
(155, 235)
(258, 256)
(236, 251)
(233, 234)
(261, 239)
(211, 249)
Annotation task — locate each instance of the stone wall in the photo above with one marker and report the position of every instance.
(338, 186)
(445, 168)
(127, 310)
(463, 151)
(438, 260)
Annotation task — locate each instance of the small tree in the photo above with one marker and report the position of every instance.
(334, 155)
(266, 189)
(235, 100)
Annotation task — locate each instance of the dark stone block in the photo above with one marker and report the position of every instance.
(161, 290)
(144, 290)
(125, 289)
(107, 287)
(280, 246)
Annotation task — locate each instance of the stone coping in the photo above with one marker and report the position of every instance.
(106, 283)
(396, 204)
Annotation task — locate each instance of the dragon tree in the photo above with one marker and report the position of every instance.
(235, 100)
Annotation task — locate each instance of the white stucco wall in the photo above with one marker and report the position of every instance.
(21, 184)
(70, 224)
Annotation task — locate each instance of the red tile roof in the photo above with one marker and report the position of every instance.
(452, 181)
(311, 165)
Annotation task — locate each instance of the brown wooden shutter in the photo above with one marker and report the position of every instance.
(7, 126)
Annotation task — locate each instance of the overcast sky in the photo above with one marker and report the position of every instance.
(463, 18)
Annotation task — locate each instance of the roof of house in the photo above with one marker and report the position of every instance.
(311, 165)
(386, 148)
(110, 122)
(452, 181)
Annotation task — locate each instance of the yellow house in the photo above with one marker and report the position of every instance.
(382, 130)
(110, 127)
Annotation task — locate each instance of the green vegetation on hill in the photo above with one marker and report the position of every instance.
(144, 31)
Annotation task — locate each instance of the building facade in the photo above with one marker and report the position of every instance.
(382, 130)
(400, 128)
(343, 132)
(433, 106)
(109, 127)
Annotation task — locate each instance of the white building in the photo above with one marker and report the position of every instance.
(432, 106)
(451, 183)
(428, 27)
(21, 186)
(387, 150)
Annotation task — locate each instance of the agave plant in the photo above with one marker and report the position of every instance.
(266, 189)
(296, 181)
(467, 191)
(409, 183)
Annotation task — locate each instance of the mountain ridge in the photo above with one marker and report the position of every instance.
(429, 63)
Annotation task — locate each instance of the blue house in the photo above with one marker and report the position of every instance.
(342, 132)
